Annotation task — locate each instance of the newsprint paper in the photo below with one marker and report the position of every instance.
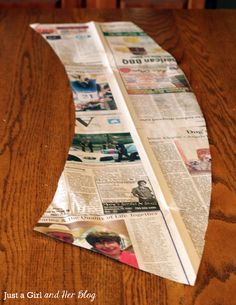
(137, 182)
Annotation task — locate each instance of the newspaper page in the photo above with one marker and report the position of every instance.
(136, 184)
(168, 119)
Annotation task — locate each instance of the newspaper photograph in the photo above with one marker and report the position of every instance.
(91, 90)
(104, 148)
(125, 238)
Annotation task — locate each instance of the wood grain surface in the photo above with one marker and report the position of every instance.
(36, 128)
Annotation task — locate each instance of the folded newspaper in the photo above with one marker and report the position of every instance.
(137, 182)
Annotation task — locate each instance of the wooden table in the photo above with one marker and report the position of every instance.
(36, 128)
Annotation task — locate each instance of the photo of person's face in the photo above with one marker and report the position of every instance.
(142, 184)
(66, 237)
(108, 247)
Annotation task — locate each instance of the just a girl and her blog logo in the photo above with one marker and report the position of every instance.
(60, 294)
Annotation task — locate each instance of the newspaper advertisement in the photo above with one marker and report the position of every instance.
(137, 181)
